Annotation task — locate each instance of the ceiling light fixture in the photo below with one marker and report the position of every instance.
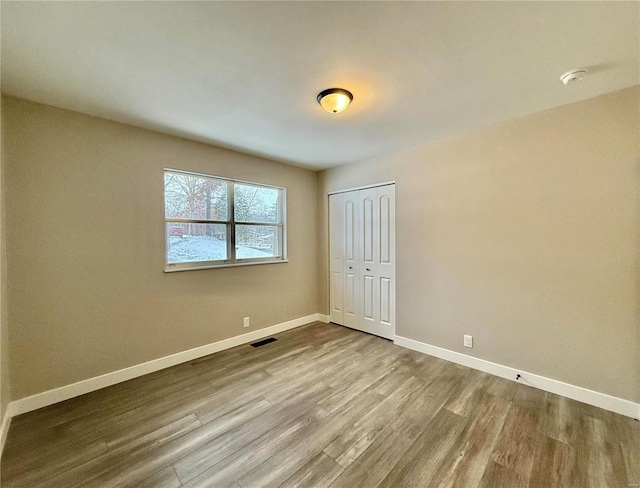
(572, 76)
(335, 100)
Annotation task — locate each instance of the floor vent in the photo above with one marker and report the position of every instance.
(263, 342)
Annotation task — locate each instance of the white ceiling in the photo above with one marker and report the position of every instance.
(245, 75)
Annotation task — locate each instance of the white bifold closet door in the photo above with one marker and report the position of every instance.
(362, 259)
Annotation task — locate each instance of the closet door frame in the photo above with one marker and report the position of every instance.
(357, 319)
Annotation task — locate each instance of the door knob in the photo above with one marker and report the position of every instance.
(368, 269)
(350, 267)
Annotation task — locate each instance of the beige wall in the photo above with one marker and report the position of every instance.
(85, 248)
(524, 235)
(5, 389)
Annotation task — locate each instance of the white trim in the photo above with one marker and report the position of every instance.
(375, 185)
(63, 393)
(214, 177)
(323, 318)
(168, 269)
(602, 400)
(4, 428)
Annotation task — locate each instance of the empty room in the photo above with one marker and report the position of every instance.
(320, 244)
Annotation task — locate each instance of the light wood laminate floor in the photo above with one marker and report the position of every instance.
(323, 406)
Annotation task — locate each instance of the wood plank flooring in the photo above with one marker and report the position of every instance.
(324, 406)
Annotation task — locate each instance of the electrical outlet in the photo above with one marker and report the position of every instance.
(246, 322)
(468, 341)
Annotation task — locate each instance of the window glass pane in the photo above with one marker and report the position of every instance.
(256, 204)
(194, 197)
(196, 242)
(257, 241)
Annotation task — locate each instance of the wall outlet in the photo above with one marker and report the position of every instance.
(468, 341)
(246, 322)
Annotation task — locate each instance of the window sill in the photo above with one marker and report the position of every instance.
(232, 265)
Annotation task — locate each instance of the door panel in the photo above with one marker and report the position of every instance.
(337, 294)
(385, 301)
(349, 295)
(369, 298)
(336, 259)
(351, 306)
(336, 249)
(368, 251)
(350, 231)
(386, 266)
(352, 303)
(385, 222)
(368, 225)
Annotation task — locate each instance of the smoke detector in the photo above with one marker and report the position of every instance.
(573, 76)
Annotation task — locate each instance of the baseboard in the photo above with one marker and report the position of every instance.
(63, 393)
(4, 429)
(324, 318)
(597, 399)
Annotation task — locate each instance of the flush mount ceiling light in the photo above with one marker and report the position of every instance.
(572, 76)
(335, 100)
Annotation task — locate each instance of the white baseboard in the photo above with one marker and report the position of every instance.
(50, 397)
(602, 400)
(4, 429)
(324, 318)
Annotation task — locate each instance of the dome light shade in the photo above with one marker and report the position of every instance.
(334, 100)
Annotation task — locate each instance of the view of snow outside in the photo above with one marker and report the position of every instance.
(202, 248)
(202, 198)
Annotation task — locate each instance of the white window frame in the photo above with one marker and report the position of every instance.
(230, 226)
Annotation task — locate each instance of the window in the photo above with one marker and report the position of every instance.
(212, 222)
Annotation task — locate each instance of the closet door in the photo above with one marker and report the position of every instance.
(385, 261)
(336, 259)
(362, 264)
(351, 269)
(369, 242)
(377, 265)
